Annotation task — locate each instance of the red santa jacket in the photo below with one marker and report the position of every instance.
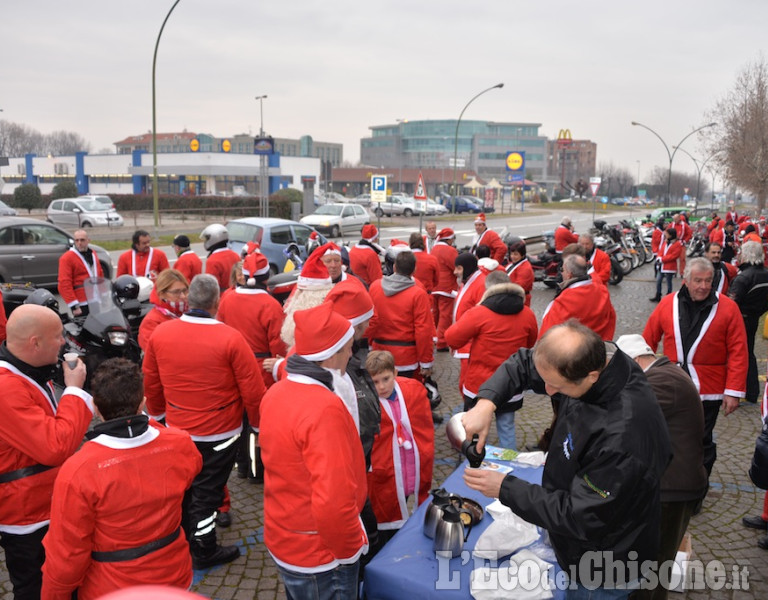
(259, 317)
(469, 296)
(3, 320)
(365, 263)
(35, 432)
(586, 301)
(314, 477)
(717, 361)
(600, 269)
(446, 258)
(150, 322)
(189, 264)
(684, 231)
(118, 493)
(717, 236)
(220, 263)
(427, 270)
(656, 238)
(727, 273)
(492, 336)
(563, 237)
(142, 264)
(668, 254)
(74, 268)
(386, 487)
(402, 322)
(521, 273)
(491, 239)
(201, 373)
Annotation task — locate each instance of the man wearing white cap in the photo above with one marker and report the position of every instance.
(365, 257)
(315, 481)
(684, 483)
(488, 237)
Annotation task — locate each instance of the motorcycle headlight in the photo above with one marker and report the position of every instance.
(118, 338)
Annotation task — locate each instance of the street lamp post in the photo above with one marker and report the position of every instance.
(263, 170)
(400, 152)
(699, 168)
(456, 141)
(155, 191)
(671, 155)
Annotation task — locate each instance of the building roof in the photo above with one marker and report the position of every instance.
(146, 138)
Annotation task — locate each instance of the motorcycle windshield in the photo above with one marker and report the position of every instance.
(98, 292)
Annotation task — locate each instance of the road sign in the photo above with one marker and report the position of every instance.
(421, 190)
(378, 188)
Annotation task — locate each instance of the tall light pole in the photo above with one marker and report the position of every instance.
(671, 155)
(263, 170)
(155, 191)
(456, 141)
(699, 168)
(400, 153)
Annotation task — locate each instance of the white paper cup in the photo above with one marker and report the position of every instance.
(71, 359)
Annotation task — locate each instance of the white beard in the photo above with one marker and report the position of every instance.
(345, 389)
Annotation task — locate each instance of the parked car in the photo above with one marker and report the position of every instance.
(396, 204)
(105, 200)
(362, 199)
(460, 204)
(30, 250)
(334, 219)
(7, 211)
(479, 203)
(273, 236)
(433, 208)
(74, 212)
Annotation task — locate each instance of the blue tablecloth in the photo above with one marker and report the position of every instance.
(407, 567)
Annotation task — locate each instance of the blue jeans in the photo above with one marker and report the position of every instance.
(505, 427)
(340, 583)
(659, 278)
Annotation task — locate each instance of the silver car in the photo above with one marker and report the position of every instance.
(78, 212)
(30, 250)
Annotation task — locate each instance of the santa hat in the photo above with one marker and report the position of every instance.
(254, 265)
(370, 233)
(329, 248)
(351, 301)
(314, 274)
(445, 234)
(250, 248)
(313, 236)
(480, 218)
(320, 332)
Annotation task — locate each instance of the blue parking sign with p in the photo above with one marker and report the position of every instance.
(378, 188)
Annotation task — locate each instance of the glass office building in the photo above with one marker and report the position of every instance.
(481, 146)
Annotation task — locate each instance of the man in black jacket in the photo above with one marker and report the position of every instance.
(599, 496)
(750, 291)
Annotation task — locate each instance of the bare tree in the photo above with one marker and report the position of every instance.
(17, 140)
(742, 131)
(680, 182)
(614, 179)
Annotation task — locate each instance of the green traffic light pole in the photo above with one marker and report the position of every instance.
(456, 142)
(155, 192)
(671, 155)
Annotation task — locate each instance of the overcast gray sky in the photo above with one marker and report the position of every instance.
(333, 68)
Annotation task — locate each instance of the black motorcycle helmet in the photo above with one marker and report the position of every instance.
(126, 287)
(43, 297)
(516, 244)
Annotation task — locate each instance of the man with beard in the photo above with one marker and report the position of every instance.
(142, 260)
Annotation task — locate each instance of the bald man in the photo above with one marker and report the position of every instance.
(75, 266)
(37, 434)
(610, 447)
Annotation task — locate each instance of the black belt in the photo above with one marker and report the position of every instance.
(262, 355)
(394, 343)
(132, 553)
(23, 472)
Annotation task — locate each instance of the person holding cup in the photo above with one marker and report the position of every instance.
(38, 432)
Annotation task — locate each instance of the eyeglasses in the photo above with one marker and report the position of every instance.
(178, 292)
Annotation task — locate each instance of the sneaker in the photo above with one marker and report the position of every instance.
(220, 556)
(756, 522)
(223, 519)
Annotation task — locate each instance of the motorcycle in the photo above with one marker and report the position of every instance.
(605, 239)
(546, 265)
(282, 284)
(104, 333)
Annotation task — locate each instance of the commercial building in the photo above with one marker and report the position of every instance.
(482, 147)
(570, 160)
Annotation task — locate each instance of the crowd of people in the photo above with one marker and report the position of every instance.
(329, 401)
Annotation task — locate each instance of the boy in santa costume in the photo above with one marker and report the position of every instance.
(403, 454)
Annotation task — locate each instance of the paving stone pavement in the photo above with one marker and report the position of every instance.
(717, 532)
